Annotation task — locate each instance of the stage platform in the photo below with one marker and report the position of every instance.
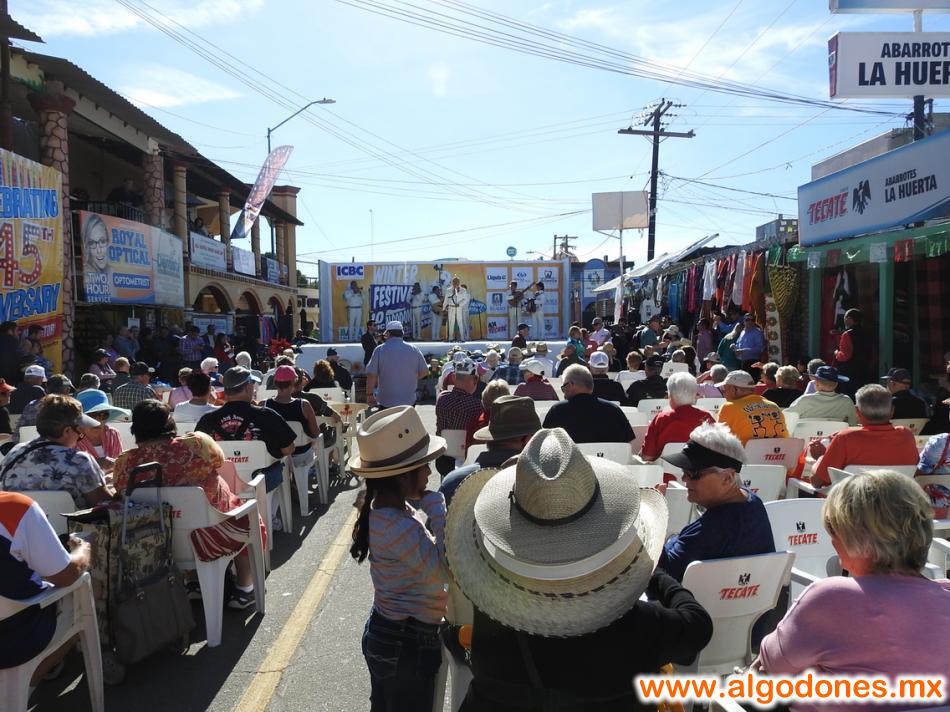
(311, 353)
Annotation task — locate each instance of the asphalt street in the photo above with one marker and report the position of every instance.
(324, 670)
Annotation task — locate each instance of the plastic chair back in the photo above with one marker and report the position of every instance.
(797, 527)
(906, 470)
(639, 433)
(775, 451)
(669, 368)
(455, 444)
(634, 416)
(334, 393)
(710, 405)
(246, 456)
(791, 420)
(836, 475)
(766, 481)
(681, 510)
(647, 475)
(669, 449)
(735, 592)
(652, 406)
(126, 438)
(616, 452)
(807, 429)
(185, 426)
(27, 433)
(473, 452)
(915, 425)
(54, 504)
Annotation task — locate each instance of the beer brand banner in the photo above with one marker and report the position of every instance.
(125, 262)
(31, 250)
(415, 293)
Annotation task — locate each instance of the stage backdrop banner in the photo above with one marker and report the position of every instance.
(387, 294)
(31, 250)
(126, 262)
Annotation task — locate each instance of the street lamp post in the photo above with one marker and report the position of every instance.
(324, 100)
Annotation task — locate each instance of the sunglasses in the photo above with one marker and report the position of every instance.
(101, 415)
(697, 474)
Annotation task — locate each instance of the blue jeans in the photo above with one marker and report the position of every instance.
(273, 475)
(403, 658)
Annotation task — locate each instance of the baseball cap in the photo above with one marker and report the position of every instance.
(597, 320)
(599, 359)
(695, 457)
(35, 370)
(522, 325)
(533, 366)
(393, 325)
(830, 373)
(238, 376)
(898, 375)
(140, 368)
(284, 374)
(458, 357)
(655, 361)
(6, 387)
(737, 378)
(332, 352)
(59, 384)
(465, 367)
(712, 356)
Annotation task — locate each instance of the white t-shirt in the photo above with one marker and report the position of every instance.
(709, 280)
(34, 542)
(647, 309)
(188, 412)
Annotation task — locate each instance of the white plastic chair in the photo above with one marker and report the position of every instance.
(455, 445)
(333, 393)
(797, 527)
(647, 475)
(906, 470)
(766, 481)
(735, 592)
(27, 433)
(76, 615)
(340, 442)
(791, 420)
(808, 429)
(915, 425)
(192, 511)
(126, 438)
(247, 457)
(634, 416)
(775, 451)
(615, 452)
(185, 426)
(54, 503)
(253, 489)
(301, 473)
(652, 406)
(920, 440)
(639, 433)
(473, 452)
(681, 510)
(938, 558)
(711, 405)
(670, 449)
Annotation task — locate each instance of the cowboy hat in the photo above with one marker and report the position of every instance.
(394, 441)
(511, 417)
(559, 544)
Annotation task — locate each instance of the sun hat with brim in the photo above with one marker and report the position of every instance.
(394, 441)
(511, 417)
(695, 458)
(559, 544)
(95, 401)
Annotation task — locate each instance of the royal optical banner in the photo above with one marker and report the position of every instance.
(125, 262)
(31, 250)
(889, 65)
(903, 186)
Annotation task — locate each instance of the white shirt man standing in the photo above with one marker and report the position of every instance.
(537, 316)
(435, 305)
(514, 297)
(416, 300)
(454, 300)
(354, 311)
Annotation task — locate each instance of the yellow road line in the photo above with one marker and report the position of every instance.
(271, 669)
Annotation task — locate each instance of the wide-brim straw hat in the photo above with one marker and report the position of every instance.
(560, 544)
(394, 441)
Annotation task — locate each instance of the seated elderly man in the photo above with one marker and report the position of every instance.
(876, 442)
(604, 386)
(535, 386)
(906, 404)
(785, 391)
(511, 371)
(826, 403)
(881, 526)
(674, 426)
(749, 416)
(585, 417)
(653, 386)
(707, 386)
(734, 522)
(458, 409)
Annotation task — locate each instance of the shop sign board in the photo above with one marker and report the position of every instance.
(243, 261)
(906, 185)
(31, 250)
(882, 6)
(895, 65)
(208, 253)
(126, 262)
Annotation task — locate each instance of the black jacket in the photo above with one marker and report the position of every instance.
(608, 389)
(589, 419)
(649, 387)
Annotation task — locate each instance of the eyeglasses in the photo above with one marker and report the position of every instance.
(101, 415)
(698, 474)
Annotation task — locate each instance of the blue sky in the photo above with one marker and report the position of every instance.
(462, 149)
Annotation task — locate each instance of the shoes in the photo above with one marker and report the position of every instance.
(194, 590)
(239, 600)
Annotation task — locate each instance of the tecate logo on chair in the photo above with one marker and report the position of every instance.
(743, 590)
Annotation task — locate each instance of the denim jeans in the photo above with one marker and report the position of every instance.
(273, 475)
(403, 658)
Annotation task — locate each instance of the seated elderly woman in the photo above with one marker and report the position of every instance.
(885, 618)
(189, 460)
(674, 426)
(101, 442)
(735, 522)
(707, 382)
(181, 393)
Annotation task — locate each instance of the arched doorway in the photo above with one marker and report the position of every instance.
(212, 300)
(248, 303)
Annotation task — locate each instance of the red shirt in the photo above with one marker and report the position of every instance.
(672, 426)
(868, 445)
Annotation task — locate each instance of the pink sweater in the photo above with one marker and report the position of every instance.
(885, 625)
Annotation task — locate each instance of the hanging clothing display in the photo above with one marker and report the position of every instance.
(736, 295)
(709, 280)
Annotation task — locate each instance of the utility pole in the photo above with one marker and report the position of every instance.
(566, 246)
(654, 115)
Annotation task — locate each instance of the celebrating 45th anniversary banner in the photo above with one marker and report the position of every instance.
(31, 250)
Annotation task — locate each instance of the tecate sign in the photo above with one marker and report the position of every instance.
(893, 65)
(351, 271)
(907, 185)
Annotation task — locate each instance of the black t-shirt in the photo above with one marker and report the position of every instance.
(907, 405)
(23, 396)
(519, 342)
(239, 420)
(369, 346)
(342, 376)
(608, 389)
(588, 419)
(649, 387)
(782, 397)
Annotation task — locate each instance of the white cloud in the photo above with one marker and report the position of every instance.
(439, 74)
(165, 87)
(88, 18)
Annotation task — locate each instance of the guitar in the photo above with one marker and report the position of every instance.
(514, 299)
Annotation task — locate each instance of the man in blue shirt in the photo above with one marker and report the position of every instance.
(394, 370)
(735, 522)
(750, 346)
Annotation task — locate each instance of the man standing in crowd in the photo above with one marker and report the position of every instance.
(137, 389)
(29, 390)
(436, 309)
(825, 403)
(906, 405)
(852, 352)
(416, 300)
(749, 416)
(340, 374)
(653, 386)
(750, 345)
(354, 310)
(598, 333)
(649, 335)
(585, 417)
(395, 369)
(520, 339)
(124, 344)
(876, 442)
(535, 386)
(604, 386)
(9, 353)
(192, 348)
(458, 409)
(674, 426)
(369, 341)
(207, 340)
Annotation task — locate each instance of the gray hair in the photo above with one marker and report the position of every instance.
(682, 389)
(787, 377)
(718, 373)
(875, 403)
(814, 365)
(89, 380)
(770, 369)
(678, 356)
(883, 515)
(579, 375)
(515, 352)
(718, 437)
(494, 390)
(209, 364)
(243, 359)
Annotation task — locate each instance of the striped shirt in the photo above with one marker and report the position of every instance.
(407, 560)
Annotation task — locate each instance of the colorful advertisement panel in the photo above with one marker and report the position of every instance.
(125, 262)
(31, 250)
(417, 294)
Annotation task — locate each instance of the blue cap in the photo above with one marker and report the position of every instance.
(830, 373)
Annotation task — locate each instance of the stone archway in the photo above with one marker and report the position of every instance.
(212, 299)
(249, 303)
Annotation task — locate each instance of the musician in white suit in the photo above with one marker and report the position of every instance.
(354, 311)
(466, 318)
(435, 304)
(455, 299)
(537, 316)
(515, 296)
(416, 300)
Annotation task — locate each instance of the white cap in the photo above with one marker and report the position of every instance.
(35, 370)
(599, 359)
(737, 378)
(393, 325)
(533, 366)
(465, 367)
(459, 356)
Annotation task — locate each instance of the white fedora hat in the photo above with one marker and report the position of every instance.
(393, 441)
(560, 544)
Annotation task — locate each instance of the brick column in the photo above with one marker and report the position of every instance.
(154, 193)
(280, 251)
(224, 218)
(181, 222)
(53, 108)
(256, 246)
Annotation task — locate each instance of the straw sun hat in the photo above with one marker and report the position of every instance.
(560, 544)
(394, 441)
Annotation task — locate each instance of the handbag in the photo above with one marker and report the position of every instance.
(151, 613)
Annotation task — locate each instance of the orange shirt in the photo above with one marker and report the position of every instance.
(752, 417)
(868, 445)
